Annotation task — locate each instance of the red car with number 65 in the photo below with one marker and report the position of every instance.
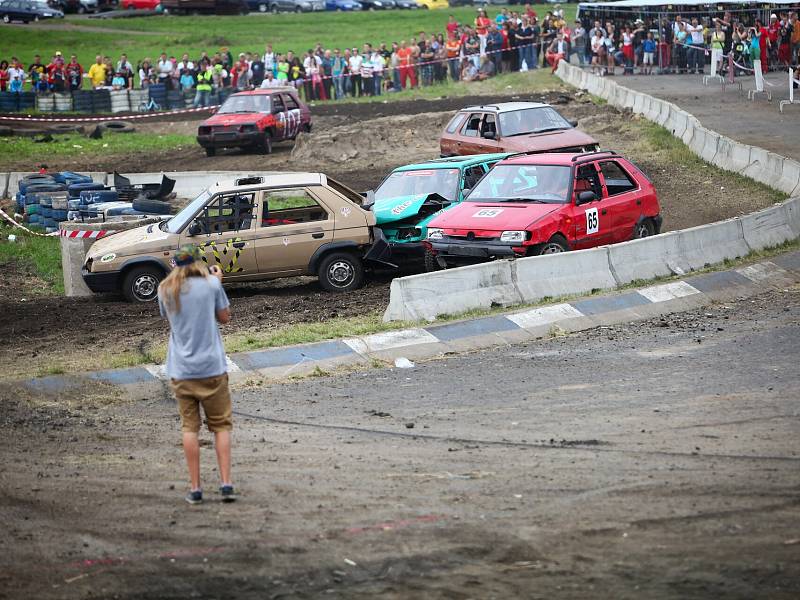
(545, 203)
(255, 120)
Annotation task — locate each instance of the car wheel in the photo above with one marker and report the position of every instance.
(265, 147)
(556, 245)
(341, 272)
(141, 284)
(431, 264)
(644, 229)
(211, 151)
(274, 9)
(262, 8)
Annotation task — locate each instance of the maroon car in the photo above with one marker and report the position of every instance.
(255, 120)
(512, 127)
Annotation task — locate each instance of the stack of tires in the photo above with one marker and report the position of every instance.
(82, 100)
(44, 199)
(101, 101)
(158, 94)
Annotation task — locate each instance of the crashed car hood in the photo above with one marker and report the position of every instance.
(234, 119)
(388, 210)
(492, 216)
(548, 140)
(133, 241)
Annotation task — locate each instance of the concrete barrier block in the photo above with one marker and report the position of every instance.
(679, 120)
(4, 186)
(429, 295)
(792, 209)
(638, 103)
(767, 228)
(709, 244)
(791, 176)
(655, 256)
(12, 186)
(73, 253)
(757, 165)
(689, 132)
(710, 145)
(562, 274)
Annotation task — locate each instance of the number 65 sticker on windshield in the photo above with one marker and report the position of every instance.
(592, 221)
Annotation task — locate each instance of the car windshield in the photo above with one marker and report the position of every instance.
(249, 103)
(523, 183)
(423, 181)
(179, 221)
(531, 120)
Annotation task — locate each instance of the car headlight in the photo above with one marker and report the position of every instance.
(513, 236)
(435, 233)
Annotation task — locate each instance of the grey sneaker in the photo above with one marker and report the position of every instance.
(228, 494)
(194, 497)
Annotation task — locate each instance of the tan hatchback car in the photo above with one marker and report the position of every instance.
(255, 228)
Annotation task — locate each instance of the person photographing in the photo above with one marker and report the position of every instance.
(191, 298)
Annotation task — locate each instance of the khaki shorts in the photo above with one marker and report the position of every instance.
(215, 397)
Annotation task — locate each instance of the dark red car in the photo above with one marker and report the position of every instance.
(543, 204)
(255, 120)
(512, 127)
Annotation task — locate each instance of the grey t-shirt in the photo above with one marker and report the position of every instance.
(195, 348)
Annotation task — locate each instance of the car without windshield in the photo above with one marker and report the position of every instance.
(512, 127)
(544, 204)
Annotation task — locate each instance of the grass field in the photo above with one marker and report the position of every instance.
(39, 256)
(148, 36)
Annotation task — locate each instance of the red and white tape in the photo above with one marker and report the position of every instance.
(165, 113)
(84, 233)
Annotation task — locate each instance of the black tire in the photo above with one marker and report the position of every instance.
(341, 272)
(117, 126)
(555, 245)
(155, 207)
(274, 9)
(211, 151)
(644, 229)
(141, 283)
(265, 146)
(63, 128)
(431, 264)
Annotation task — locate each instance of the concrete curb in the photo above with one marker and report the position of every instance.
(431, 295)
(437, 340)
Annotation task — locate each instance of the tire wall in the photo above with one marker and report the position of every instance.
(527, 280)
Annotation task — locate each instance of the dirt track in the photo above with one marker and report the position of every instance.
(358, 144)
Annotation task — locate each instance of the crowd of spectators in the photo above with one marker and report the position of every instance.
(510, 41)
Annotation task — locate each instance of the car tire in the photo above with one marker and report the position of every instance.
(117, 126)
(340, 272)
(431, 264)
(644, 229)
(154, 207)
(274, 9)
(141, 283)
(265, 146)
(555, 245)
(211, 152)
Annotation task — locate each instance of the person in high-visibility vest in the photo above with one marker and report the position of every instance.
(204, 87)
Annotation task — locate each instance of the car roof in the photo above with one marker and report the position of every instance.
(454, 161)
(506, 106)
(265, 91)
(558, 158)
(268, 179)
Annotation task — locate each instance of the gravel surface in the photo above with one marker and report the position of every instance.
(656, 459)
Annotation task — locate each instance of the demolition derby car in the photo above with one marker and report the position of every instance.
(512, 127)
(255, 120)
(544, 204)
(412, 195)
(255, 228)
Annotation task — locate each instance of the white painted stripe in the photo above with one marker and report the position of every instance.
(390, 339)
(762, 271)
(160, 371)
(232, 367)
(544, 316)
(668, 291)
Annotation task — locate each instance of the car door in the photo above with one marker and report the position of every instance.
(472, 175)
(469, 141)
(278, 109)
(294, 223)
(225, 230)
(294, 116)
(489, 126)
(621, 198)
(593, 221)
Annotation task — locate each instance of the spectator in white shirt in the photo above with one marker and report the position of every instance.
(378, 65)
(164, 67)
(355, 61)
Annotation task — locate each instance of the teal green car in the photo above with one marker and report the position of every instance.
(410, 196)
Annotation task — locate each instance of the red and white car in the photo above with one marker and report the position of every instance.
(255, 120)
(543, 204)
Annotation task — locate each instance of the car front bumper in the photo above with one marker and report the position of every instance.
(100, 283)
(461, 250)
(230, 140)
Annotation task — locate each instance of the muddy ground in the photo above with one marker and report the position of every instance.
(647, 460)
(358, 144)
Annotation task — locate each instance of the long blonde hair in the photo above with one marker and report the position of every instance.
(170, 289)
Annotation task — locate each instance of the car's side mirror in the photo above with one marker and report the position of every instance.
(586, 197)
(194, 229)
(573, 122)
(489, 135)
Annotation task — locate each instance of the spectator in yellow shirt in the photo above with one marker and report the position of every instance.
(97, 73)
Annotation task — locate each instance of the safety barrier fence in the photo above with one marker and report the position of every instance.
(528, 280)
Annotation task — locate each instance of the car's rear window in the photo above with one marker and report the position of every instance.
(455, 123)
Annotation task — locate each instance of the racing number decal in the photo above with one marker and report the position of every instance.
(592, 221)
(488, 213)
(222, 251)
(291, 121)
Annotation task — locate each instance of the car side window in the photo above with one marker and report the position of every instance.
(489, 125)
(291, 103)
(455, 123)
(290, 206)
(472, 175)
(617, 180)
(587, 180)
(230, 212)
(473, 125)
(277, 103)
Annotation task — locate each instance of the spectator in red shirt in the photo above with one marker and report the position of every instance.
(404, 55)
(482, 23)
(56, 74)
(530, 13)
(74, 72)
(763, 43)
(452, 26)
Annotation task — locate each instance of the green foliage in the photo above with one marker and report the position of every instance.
(41, 256)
